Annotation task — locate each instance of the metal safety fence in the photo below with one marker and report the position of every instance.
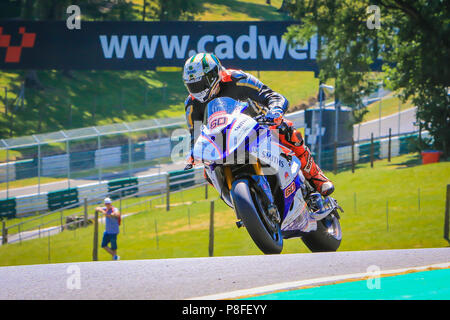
(92, 153)
(68, 209)
(333, 158)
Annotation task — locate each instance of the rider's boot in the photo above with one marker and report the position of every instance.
(293, 139)
(205, 175)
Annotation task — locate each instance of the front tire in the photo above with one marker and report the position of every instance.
(266, 236)
(327, 237)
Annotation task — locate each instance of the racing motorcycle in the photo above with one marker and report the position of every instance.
(261, 180)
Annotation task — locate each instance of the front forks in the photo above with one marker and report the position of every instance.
(259, 178)
(263, 185)
(322, 207)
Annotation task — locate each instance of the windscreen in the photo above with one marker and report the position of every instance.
(218, 106)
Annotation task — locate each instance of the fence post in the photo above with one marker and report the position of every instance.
(447, 215)
(85, 222)
(387, 215)
(189, 216)
(353, 155)
(130, 159)
(39, 168)
(167, 192)
(389, 146)
(420, 133)
(156, 234)
(371, 150)
(68, 158)
(206, 191)
(48, 246)
(99, 147)
(61, 220)
(4, 233)
(418, 199)
(122, 220)
(335, 158)
(7, 171)
(95, 249)
(211, 229)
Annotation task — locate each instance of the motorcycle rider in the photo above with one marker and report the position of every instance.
(205, 79)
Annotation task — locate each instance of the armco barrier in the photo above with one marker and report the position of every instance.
(137, 152)
(181, 176)
(82, 160)
(93, 191)
(365, 149)
(108, 157)
(155, 149)
(7, 172)
(152, 184)
(384, 148)
(156, 183)
(404, 143)
(26, 169)
(31, 204)
(55, 165)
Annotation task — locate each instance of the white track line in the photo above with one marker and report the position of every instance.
(316, 281)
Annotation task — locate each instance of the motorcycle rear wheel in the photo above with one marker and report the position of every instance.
(327, 237)
(268, 238)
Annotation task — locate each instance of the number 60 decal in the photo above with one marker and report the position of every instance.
(217, 122)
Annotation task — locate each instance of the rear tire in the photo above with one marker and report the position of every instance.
(321, 240)
(268, 241)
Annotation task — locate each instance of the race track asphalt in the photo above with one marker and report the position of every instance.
(188, 278)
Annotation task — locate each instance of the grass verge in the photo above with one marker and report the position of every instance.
(183, 231)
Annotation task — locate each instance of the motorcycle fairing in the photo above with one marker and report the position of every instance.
(265, 148)
(218, 186)
(235, 132)
(298, 218)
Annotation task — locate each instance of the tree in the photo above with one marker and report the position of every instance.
(412, 40)
(284, 6)
(169, 10)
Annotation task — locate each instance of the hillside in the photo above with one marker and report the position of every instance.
(87, 98)
(73, 99)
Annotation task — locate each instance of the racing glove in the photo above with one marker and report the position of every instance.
(275, 115)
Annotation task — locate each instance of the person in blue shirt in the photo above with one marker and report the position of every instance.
(112, 223)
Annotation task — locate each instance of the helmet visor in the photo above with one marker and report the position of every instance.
(198, 86)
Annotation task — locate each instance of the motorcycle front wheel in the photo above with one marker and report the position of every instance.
(264, 233)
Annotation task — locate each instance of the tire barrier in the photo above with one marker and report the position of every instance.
(8, 208)
(62, 198)
(123, 186)
(74, 197)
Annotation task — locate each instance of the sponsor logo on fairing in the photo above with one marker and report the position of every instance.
(290, 189)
